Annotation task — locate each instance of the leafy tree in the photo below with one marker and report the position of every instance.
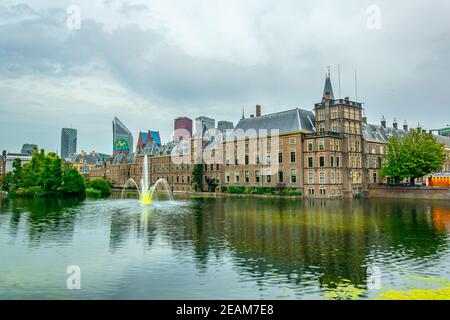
(17, 172)
(413, 156)
(7, 181)
(73, 183)
(197, 177)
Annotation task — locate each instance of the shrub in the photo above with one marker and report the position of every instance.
(100, 185)
(93, 193)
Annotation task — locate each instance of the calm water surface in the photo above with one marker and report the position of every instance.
(220, 248)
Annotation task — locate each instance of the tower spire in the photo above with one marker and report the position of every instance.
(328, 89)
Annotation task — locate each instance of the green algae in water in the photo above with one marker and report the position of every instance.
(440, 293)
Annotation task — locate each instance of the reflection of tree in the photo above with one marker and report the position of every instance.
(47, 219)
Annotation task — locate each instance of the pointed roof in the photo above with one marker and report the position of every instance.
(328, 87)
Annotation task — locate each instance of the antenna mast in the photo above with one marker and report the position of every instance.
(339, 75)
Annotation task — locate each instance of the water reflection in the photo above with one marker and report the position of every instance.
(306, 246)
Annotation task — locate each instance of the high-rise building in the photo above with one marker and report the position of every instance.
(182, 123)
(122, 138)
(223, 126)
(202, 124)
(29, 148)
(68, 142)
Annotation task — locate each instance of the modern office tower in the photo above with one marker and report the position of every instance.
(29, 148)
(68, 142)
(202, 124)
(179, 124)
(122, 138)
(223, 126)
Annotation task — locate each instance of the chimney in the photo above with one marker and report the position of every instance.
(258, 110)
(405, 126)
(395, 124)
(383, 122)
(364, 117)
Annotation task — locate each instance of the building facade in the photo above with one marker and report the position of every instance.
(329, 152)
(68, 142)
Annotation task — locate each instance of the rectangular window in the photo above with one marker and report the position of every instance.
(257, 159)
(227, 177)
(311, 178)
(331, 161)
(337, 162)
(293, 176)
(246, 160)
(236, 176)
(257, 176)
(322, 178)
(292, 156)
(310, 146)
(322, 162)
(269, 178)
(280, 157)
(321, 145)
(310, 162)
(280, 176)
(247, 177)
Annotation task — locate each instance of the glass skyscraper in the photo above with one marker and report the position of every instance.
(122, 138)
(68, 142)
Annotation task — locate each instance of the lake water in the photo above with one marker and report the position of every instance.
(222, 248)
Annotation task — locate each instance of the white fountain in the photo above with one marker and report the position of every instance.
(146, 192)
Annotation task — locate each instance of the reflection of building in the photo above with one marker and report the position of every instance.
(203, 124)
(122, 138)
(146, 138)
(68, 142)
(223, 126)
(29, 148)
(182, 123)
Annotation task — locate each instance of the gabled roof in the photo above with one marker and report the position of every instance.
(289, 121)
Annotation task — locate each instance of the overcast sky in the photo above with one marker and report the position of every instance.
(148, 62)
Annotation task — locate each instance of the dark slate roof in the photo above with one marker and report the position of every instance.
(376, 133)
(289, 121)
(328, 88)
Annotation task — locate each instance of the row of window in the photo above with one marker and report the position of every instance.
(335, 177)
(334, 162)
(167, 167)
(258, 177)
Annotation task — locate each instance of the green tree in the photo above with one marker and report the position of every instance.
(197, 177)
(413, 156)
(73, 183)
(51, 173)
(7, 181)
(17, 172)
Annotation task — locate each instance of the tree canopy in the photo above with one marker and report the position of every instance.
(412, 156)
(46, 173)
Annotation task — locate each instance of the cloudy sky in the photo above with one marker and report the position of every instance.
(149, 61)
